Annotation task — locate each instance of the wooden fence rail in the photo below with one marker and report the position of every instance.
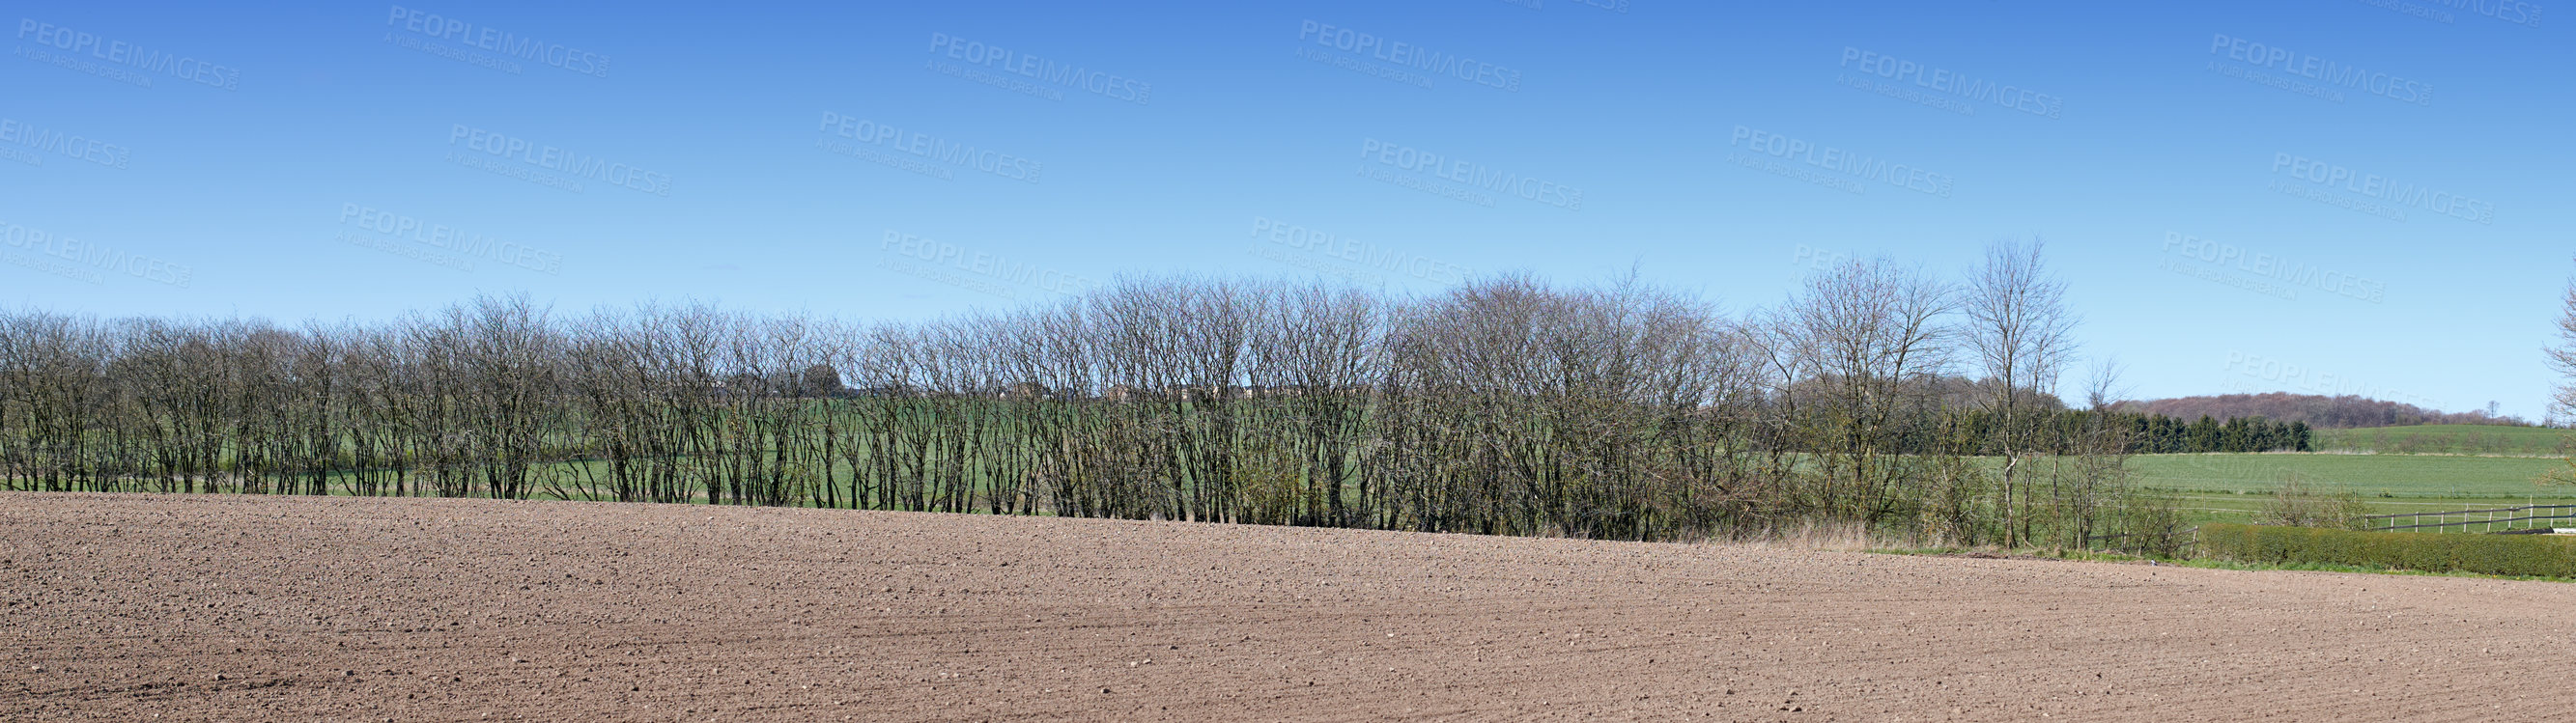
(2485, 519)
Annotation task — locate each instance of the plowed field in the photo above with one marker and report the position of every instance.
(285, 608)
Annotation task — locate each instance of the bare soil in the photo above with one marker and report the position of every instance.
(132, 607)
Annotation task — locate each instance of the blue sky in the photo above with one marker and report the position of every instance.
(2323, 196)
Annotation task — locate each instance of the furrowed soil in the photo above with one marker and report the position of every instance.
(296, 608)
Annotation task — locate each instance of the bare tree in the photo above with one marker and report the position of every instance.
(2562, 403)
(2021, 335)
(2103, 391)
(2562, 357)
(1861, 347)
(1507, 405)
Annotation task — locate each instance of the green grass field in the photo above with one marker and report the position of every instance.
(2374, 475)
(2444, 439)
(2394, 469)
(2233, 487)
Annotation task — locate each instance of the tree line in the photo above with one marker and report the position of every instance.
(2342, 411)
(1507, 405)
(2063, 432)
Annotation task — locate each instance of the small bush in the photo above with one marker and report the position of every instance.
(2534, 555)
(2155, 527)
(2295, 504)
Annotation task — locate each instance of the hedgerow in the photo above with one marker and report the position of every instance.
(2533, 555)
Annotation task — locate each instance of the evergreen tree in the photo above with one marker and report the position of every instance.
(2203, 436)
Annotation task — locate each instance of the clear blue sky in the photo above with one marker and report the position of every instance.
(2382, 185)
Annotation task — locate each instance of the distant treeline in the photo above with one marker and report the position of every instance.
(1505, 406)
(2318, 411)
(2066, 432)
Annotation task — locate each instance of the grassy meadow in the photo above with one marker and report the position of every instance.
(2450, 467)
(2445, 439)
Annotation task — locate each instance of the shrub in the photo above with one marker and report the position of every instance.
(2155, 527)
(2295, 504)
(2536, 555)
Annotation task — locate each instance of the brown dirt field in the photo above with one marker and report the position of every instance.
(136, 607)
